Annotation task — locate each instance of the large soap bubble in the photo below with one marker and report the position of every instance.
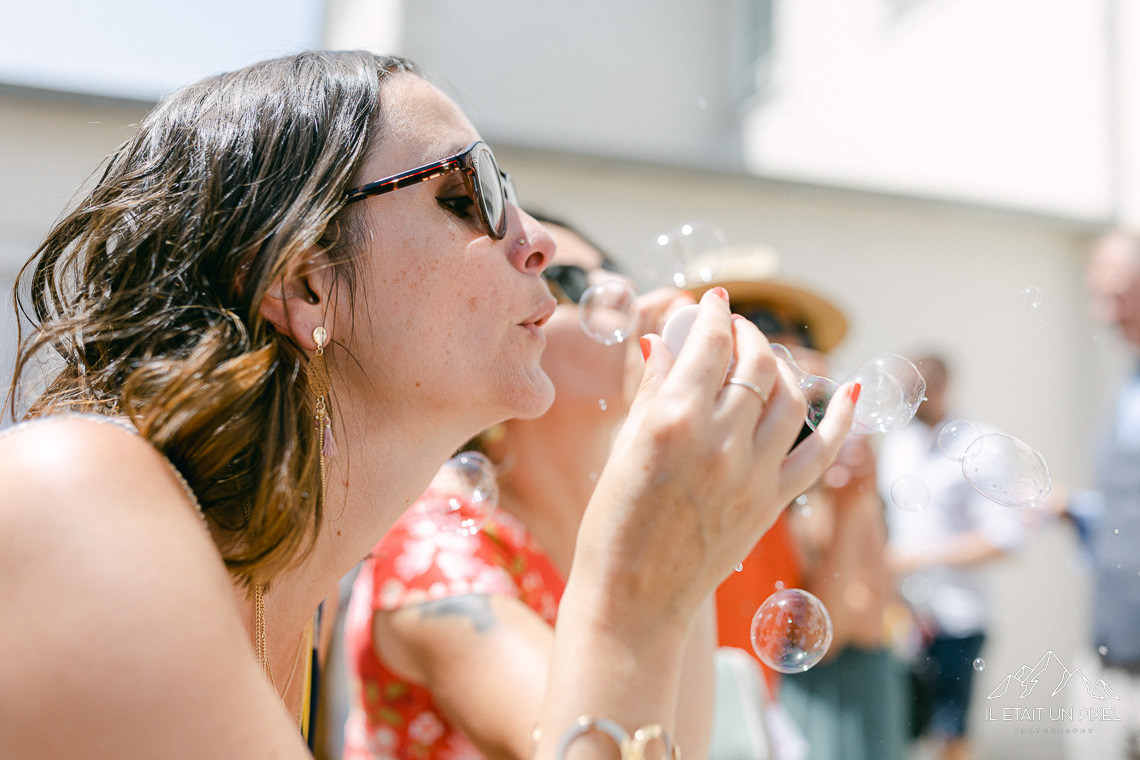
(607, 312)
(1006, 470)
(469, 493)
(668, 259)
(791, 631)
(892, 389)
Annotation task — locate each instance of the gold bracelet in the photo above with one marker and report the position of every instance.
(630, 748)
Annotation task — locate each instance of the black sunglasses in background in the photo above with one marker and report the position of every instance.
(488, 186)
(567, 282)
(774, 324)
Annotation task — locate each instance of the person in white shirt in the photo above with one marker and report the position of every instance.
(937, 552)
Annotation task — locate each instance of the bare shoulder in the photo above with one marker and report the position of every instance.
(120, 631)
(80, 467)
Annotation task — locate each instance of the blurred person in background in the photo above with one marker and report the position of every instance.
(449, 635)
(938, 550)
(851, 706)
(1108, 520)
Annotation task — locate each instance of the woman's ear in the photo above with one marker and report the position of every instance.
(302, 300)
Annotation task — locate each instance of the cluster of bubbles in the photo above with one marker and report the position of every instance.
(468, 491)
(791, 632)
(1004, 469)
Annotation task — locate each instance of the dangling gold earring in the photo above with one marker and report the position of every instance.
(320, 384)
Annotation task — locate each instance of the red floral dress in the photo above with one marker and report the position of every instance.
(416, 562)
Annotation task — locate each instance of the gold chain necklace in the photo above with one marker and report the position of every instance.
(263, 651)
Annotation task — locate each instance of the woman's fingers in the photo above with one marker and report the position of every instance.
(747, 393)
(806, 462)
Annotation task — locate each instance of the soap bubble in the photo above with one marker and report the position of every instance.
(791, 631)
(817, 390)
(668, 259)
(608, 311)
(739, 567)
(892, 389)
(1031, 297)
(469, 493)
(955, 437)
(1006, 470)
(602, 404)
(910, 493)
(979, 664)
(1103, 650)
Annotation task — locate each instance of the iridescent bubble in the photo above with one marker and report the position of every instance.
(892, 389)
(910, 493)
(801, 499)
(791, 631)
(739, 567)
(468, 493)
(602, 404)
(1103, 650)
(608, 311)
(955, 437)
(1006, 470)
(1031, 297)
(818, 390)
(668, 260)
(979, 664)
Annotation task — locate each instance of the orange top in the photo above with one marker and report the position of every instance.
(773, 560)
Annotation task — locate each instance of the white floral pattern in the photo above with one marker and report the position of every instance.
(416, 562)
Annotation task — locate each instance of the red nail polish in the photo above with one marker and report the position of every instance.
(645, 346)
(719, 291)
(856, 389)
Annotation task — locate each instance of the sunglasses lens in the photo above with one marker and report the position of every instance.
(572, 281)
(492, 197)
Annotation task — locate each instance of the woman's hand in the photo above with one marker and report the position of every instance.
(700, 469)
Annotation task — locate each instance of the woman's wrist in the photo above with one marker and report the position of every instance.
(621, 666)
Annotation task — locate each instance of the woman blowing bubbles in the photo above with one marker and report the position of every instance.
(160, 574)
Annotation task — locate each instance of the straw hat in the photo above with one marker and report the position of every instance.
(748, 273)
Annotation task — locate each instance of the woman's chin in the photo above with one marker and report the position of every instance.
(532, 398)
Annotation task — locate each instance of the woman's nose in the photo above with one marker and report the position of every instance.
(531, 247)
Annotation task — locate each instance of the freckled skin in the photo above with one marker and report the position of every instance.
(433, 339)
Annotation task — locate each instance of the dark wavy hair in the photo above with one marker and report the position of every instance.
(149, 290)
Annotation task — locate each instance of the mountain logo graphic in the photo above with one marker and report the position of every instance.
(1049, 669)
